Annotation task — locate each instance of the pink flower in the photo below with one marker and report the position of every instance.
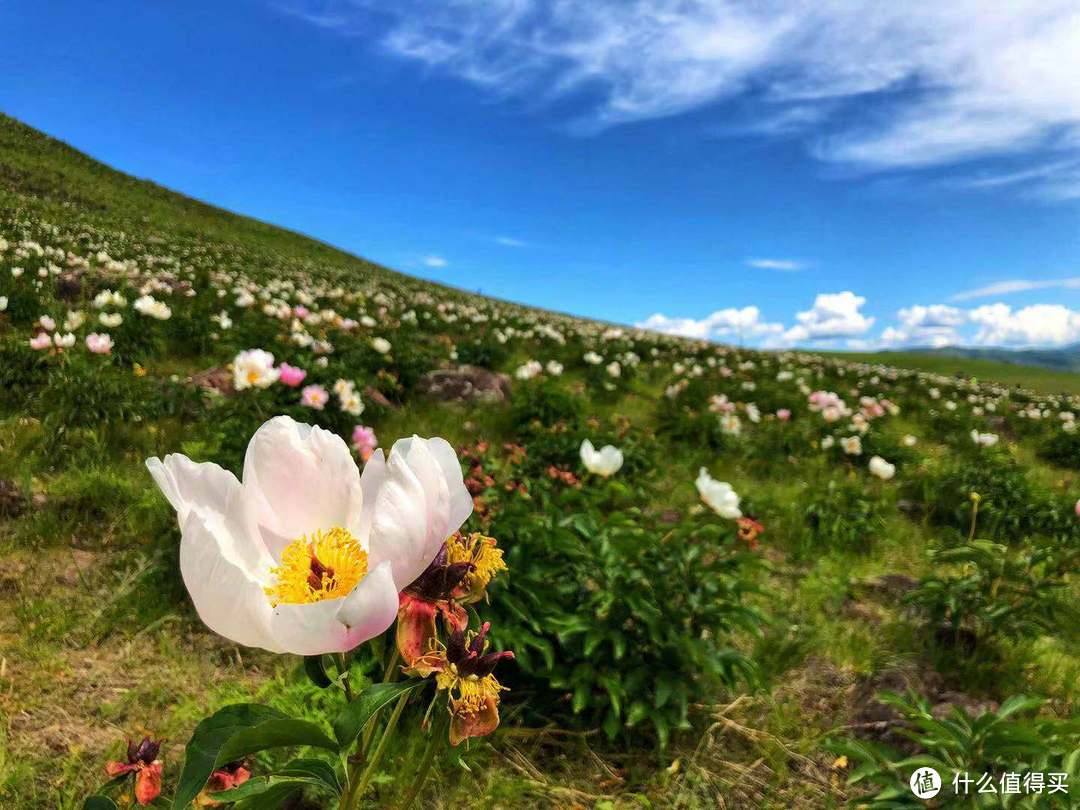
(99, 343)
(300, 311)
(41, 342)
(314, 396)
(1078, 508)
(291, 375)
(364, 441)
(783, 414)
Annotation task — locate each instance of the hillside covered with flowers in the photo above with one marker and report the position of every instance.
(604, 567)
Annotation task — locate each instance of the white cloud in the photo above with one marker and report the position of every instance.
(1039, 324)
(934, 325)
(434, 261)
(731, 322)
(833, 315)
(776, 264)
(1017, 285)
(945, 82)
(509, 241)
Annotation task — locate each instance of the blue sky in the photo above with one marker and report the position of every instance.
(782, 173)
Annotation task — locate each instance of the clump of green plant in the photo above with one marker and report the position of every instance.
(1012, 740)
(841, 515)
(1010, 505)
(542, 404)
(1062, 448)
(981, 590)
(626, 619)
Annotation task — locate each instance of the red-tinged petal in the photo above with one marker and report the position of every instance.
(415, 629)
(115, 769)
(148, 783)
(467, 720)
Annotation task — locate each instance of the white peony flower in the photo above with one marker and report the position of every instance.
(984, 439)
(604, 462)
(852, 445)
(254, 369)
(306, 555)
(718, 495)
(881, 468)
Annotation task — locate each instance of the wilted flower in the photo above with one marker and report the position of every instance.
(881, 468)
(604, 462)
(307, 555)
(254, 369)
(226, 777)
(291, 375)
(99, 343)
(718, 495)
(749, 530)
(465, 671)
(143, 763)
(314, 396)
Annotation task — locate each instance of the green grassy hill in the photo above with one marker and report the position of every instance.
(1047, 380)
(680, 641)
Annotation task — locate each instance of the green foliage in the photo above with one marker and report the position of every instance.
(840, 514)
(540, 404)
(629, 619)
(1010, 740)
(982, 590)
(1062, 448)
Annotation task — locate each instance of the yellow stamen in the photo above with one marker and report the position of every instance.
(324, 565)
(482, 552)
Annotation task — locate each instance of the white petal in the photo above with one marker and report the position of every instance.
(228, 599)
(402, 531)
(302, 479)
(338, 625)
(461, 502)
(216, 496)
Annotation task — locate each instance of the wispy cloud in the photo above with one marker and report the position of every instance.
(1016, 286)
(877, 86)
(787, 265)
(509, 241)
(434, 260)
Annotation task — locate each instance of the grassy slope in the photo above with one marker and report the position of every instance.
(1037, 379)
(98, 638)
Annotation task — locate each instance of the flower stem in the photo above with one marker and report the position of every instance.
(437, 730)
(390, 674)
(358, 790)
(343, 671)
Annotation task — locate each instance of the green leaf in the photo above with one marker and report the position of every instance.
(99, 802)
(312, 768)
(316, 671)
(274, 785)
(353, 718)
(235, 732)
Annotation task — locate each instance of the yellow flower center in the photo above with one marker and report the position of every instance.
(482, 552)
(323, 565)
(470, 687)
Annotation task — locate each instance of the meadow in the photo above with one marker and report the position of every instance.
(793, 579)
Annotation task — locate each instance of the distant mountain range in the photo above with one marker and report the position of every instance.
(1065, 358)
